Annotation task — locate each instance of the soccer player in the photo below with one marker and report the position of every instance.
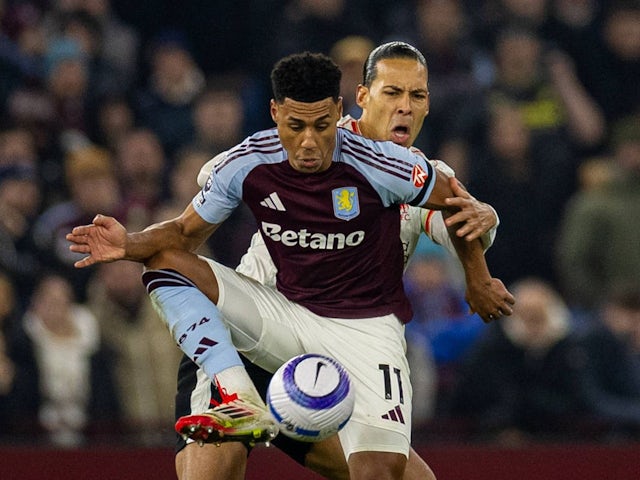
(394, 100)
(334, 238)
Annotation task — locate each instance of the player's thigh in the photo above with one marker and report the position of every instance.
(264, 325)
(210, 462)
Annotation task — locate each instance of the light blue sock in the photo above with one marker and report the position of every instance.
(194, 321)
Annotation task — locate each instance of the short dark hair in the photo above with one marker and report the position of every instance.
(305, 77)
(388, 50)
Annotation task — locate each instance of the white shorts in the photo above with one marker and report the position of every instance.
(269, 329)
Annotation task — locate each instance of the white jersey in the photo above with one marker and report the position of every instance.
(257, 263)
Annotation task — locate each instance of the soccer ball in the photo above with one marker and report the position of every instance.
(310, 397)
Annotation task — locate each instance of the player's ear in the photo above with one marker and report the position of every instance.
(340, 106)
(362, 94)
(273, 108)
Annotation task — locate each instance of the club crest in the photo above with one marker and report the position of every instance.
(345, 202)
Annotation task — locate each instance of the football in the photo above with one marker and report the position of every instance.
(310, 397)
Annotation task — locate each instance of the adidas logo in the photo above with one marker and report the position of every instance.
(273, 202)
(205, 343)
(395, 415)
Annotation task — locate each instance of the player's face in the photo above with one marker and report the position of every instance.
(397, 102)
(307, 131)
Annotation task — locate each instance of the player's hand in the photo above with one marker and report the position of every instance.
(476, 218)
(489, 299)
(102, 241)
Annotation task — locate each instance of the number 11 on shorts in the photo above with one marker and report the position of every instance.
(388, 390)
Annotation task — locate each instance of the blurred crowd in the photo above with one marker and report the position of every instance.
(112, 106)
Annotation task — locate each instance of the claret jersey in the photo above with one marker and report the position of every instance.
(333, 235)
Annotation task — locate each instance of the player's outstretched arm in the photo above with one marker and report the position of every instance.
(107, 240)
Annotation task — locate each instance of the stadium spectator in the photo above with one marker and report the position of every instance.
(85, 30)
(67, 82)
(18, 147)
(613, 67)
(513, 157)
(458, 67)
(219, 115)
(316, 25)
(442, 325)
(91, 183)
(560, 114)
(120, 43)
(350, 53)
(19, 204)
(597, 246)
(490, 16)
(144, 356)
(64, 374)
(21, 45)
(574, 27)
(31, 108)
(165, 102)
(141, 166)
(611, 373)
(182, 187)
(114, 119)
(520, 381)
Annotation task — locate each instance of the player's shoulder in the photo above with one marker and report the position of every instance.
(261, 147)
(205, 171)
(263, 142)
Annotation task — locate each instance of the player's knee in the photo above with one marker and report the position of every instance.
(165, 259)
(185, 263)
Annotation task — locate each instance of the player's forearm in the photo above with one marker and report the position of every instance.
(175, 234)
(471, 256)
(489, 236)
(470, 253)
(142, 245)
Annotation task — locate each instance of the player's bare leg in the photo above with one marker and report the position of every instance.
(210, 462)
(417, 468)
(326, 459)
(229, 461)
(377, 465)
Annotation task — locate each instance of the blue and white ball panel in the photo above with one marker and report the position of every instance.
(310, 381)
(311, 397)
